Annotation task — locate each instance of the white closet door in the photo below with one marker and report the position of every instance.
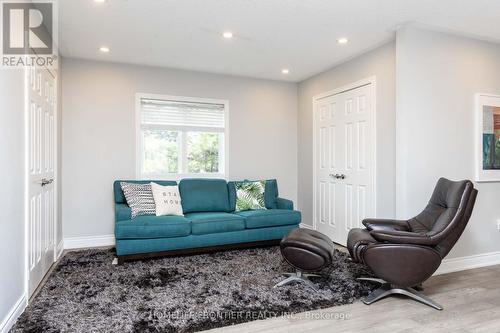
(41, 99)
(344, 162)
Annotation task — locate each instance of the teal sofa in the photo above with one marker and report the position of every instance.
(210, 222)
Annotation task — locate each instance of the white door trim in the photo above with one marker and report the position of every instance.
(372, 80)
(26, 182)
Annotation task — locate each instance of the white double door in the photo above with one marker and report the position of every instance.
(41, 200)
(344, 161)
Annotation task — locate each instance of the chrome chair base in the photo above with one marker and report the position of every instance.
(387, 289)
(298, 277)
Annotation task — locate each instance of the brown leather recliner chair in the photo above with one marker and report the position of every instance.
(403, 254)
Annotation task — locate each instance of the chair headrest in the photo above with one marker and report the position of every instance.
(448, 194)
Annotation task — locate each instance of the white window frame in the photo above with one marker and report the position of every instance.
(223, 159)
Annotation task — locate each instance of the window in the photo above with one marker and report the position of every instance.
(181, 137)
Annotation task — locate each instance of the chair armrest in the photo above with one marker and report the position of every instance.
(402, 237)
(122, 212)
(357, 241)
(284, 203)
(386, 224)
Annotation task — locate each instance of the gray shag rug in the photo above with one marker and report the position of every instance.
(86, 293)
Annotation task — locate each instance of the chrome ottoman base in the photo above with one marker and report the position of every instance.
(387, 289)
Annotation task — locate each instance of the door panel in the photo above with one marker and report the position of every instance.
(331, 211)
(41, 102)
(344, 166)
(361, 204)
(361, 131)
(348, 146)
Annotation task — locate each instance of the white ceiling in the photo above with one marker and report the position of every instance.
(269, 34)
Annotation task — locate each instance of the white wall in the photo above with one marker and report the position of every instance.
(98, 132)
(12, 273)
(437, 77)
(381, 63)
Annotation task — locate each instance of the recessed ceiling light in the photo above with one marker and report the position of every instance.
(99, 1)
(342, 40)
(104, 49)
(285, 71)
(227, 34)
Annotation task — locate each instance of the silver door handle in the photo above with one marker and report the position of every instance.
(337, 176)
(44, 181)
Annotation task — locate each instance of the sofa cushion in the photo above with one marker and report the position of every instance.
(153, 227)
(118, 193)
(123, 212)
(270, 194)
(204, 195)
(269, 217)
(215, 222)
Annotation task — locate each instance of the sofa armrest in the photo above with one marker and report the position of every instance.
(122, 212)
(284, 203)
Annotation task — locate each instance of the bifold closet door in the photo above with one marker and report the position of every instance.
(344, 162)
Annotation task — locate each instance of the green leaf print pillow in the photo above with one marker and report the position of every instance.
(250, 195)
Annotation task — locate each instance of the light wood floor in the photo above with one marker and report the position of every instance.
(471, 301)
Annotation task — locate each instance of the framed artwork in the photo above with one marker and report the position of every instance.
(487, 138)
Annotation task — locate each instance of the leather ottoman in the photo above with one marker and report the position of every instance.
(307, 251)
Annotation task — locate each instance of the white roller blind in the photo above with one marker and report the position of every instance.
(167, 113)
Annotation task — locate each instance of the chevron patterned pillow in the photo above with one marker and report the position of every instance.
(139, 198)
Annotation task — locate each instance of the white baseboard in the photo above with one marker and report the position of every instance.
(91, 241)
(13, 314)
(306, 226)
(469, 262)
